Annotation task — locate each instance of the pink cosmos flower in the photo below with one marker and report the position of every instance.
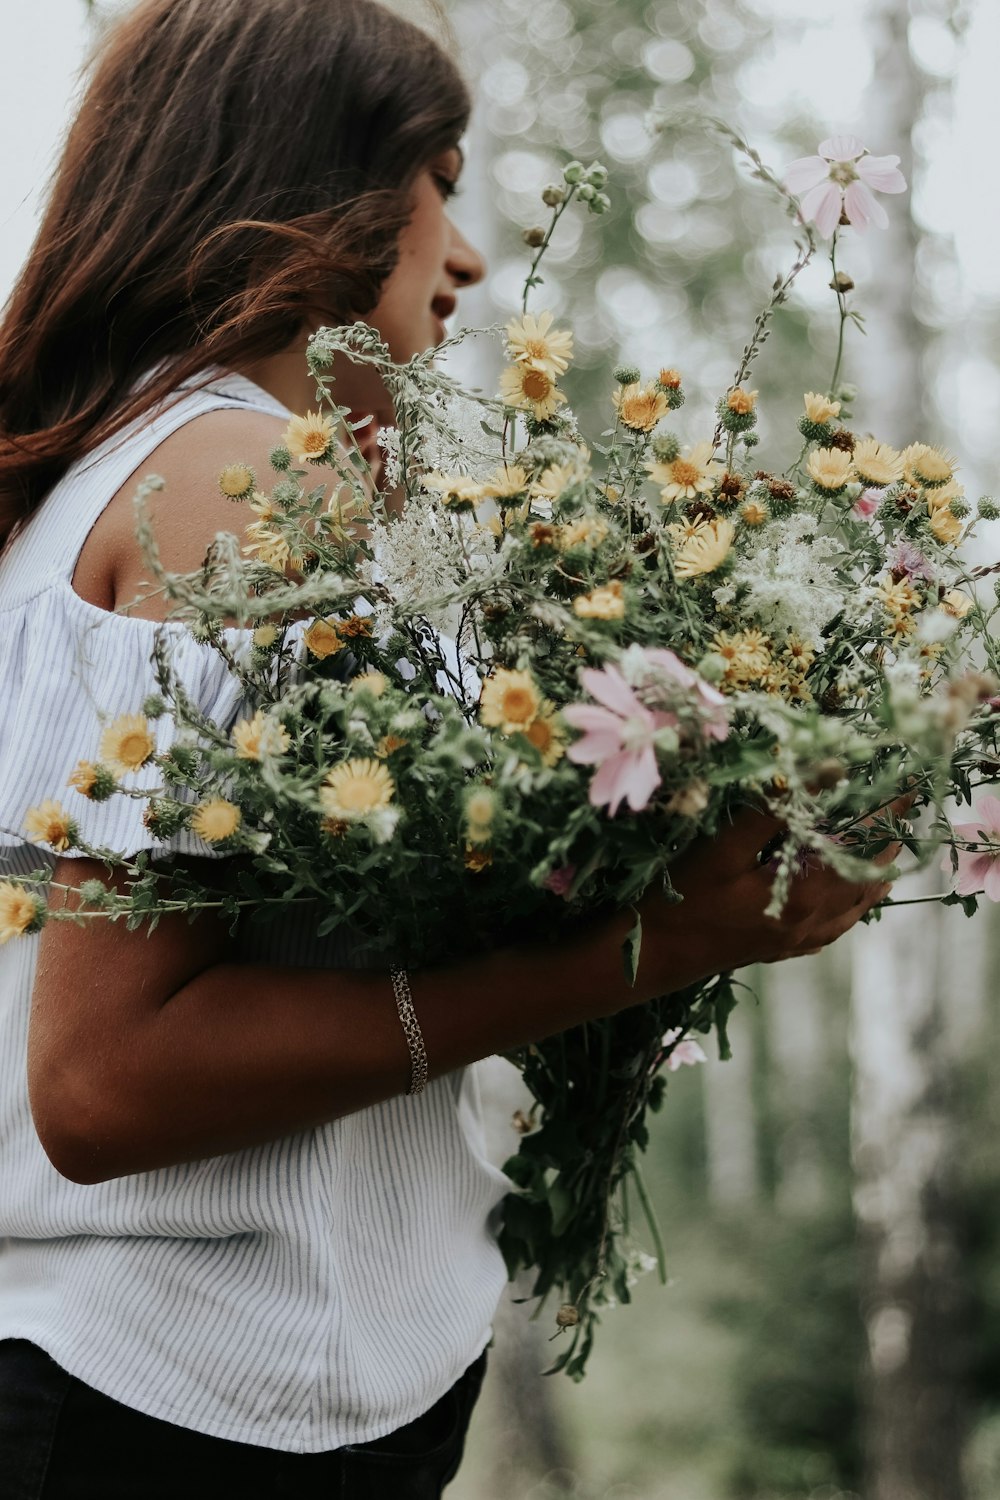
(619, 738)
(979, 869)
(839, 181)
(866, 505)
(620, 730)
(685, 1053)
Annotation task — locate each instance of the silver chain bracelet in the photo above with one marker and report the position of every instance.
(411, 1030)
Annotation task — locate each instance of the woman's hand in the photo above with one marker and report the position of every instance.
(726, 891)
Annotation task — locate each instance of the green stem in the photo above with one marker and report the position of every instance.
(842, 305)
(654, 1228)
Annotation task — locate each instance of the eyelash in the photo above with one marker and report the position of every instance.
(449, 189)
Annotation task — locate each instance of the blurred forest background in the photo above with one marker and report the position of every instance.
(830, 1198)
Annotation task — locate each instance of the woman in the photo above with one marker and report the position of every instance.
(236, 1252)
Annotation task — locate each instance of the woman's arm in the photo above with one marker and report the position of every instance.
(146, 1050)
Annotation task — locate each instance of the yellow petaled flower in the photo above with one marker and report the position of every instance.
(51, 824)
(260, 736)
(942, 496)
(747, 655)
(669, 379)
(269, 546)
(265, 636)
(612, 495)
(585, 531)
(455, 489)
(547, 735)
(369, 682)
(84, 778)
(509, 701)
(535, 340)
(558, 478)
(356, 626)
(323, 639)
(686, 477)
(356, 789)
(706, 551)
(604, 603)
(798, 655)
(507, 482)
(956, 604)
(640, 407)
(820, 408)
(753, 513)
(480, 807)
(946, 527)
(830, 468)
(215, 820)
(127, 744)
(933, 466)
(237, 481)
(876, 463)
(529, 386)
(19, 911)
(308, 438)
(263, 506)
(742, 402)
(898, 598)
(388, 745)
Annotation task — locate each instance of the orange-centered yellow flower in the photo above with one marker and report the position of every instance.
(51, 824)
(956, 604)
(830, 468)
(308, 438)
(547, 735)
(356, 789)
(127, 744)
(820, 408)
(215, 820)
(640, 407)
(687, 476)
(532, 339)
(509, 701)
(323, 639)
(19, 911)
(876, 463)
(742, 402)
(259, 737)
(529, 385)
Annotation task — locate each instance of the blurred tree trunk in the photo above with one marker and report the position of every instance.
(902, 1127)
(730, 1120)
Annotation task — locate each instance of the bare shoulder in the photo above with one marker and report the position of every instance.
(187, 513)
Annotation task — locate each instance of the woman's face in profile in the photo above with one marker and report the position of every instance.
(435, 261)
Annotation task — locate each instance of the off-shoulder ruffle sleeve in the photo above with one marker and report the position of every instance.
(67, 669)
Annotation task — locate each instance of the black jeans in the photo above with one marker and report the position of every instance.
(60, 1440)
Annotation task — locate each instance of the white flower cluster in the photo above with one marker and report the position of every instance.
(789, 580)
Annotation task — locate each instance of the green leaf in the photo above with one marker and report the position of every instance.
(631, 948)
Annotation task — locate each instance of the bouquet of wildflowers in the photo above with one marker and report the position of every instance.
(512, 685)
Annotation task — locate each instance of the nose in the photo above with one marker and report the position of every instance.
(465, 265)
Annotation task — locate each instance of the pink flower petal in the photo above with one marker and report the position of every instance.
(594, 748)
(822, 205)
(862, 209)
(988, 808)
(671, 665)
(589, 716)
(611, 783)
(644, 778)
(842, 148)
(805, 173)
(609, 687)
(972, 872)
(882, 173)
(685, 1054)
(866, 505)
(991, 883)
(968, 832)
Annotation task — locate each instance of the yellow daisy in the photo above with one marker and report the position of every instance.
(535, 340)
(508, 482)
(308, 438)
(19, 911)
(528, 386)
(265, 636)
(51, 824)
(585, 531)
(820, 408)
(323, 639)
(369, 682)
(933, 466)
(269, 546)
(87, 778)
(706, 551)
(830, 468)
(509, 700)
(456, 490)
(556, 479)
(127, 744)
(356, 789)
(480, 807)
(688, 476)
(898, 598)
(876, 463)
(742, 402)
(216, 820)
(604, 603)
(260, 736)
(752, 513)
(640, 407)
(946, 527)
(956, 604)
(237, 481)
(547, 735)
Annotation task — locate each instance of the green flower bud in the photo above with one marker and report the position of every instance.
(574, 173)
(94, 891)
(597, 176)
(988, 509)
(586, 193)
(712, 667)
(751, 439)
(319, 356)
(281, 459)
(164, 817)
(960, 508)
(814, 432)
(286, 493)
(627, 374)
(675, 396)
(598, 204)
(666, 448)
(154, 707)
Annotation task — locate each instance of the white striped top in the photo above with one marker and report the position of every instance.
(321, 1290)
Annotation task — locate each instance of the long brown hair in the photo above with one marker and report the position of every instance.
(234, 164)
